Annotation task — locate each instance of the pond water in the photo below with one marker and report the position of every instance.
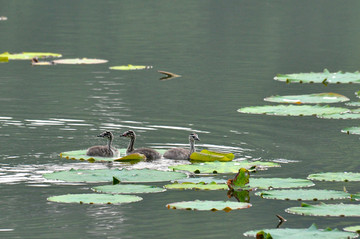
(227, 53)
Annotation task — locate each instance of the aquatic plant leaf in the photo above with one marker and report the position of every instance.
(29, 55)
(353, 103)
(95, 198)
(81, 155)
(4, 59)
(76, 61)
(129, 67)
(303, 194)
(197, 186)
(208, 205)
(223, 167)
(230, 156)
(328, 210)
(351, 130)
(335, 176)
(325, 77)
(241, 178)
(356, 196)
(319, 98)
(345, 115)
(352, 229)
(131, 157)
(292, 110)
(122, 175)
(300, 233)
(202, 180)
(127, 189)
(204, 157)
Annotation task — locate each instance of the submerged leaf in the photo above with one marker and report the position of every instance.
(335, 176)
(80, 61)
(292, 110)
(303, 194)
(327, 210)
(208, 205)
(129, 67)
(326, 98)
(322, 77)
(127, 189)
(95, 198)
(300, 233)
(204, 157)
(106, 175)
(223, 167)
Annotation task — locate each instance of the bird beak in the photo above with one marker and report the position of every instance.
(123, 135)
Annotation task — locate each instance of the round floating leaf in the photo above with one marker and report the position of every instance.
(337, 176)
(230, 156)
(223, 167)
(349, 115)
(95, 198)
(81, 155)
(204, 157)
(127, 189)
(208, 205)
(331, 210)
(129, 67)
(300, 233)
(197, 186)
(107, 175)
(326, 98)
(303, 194)
(355, 104)
(351, 130)
(292, 110)
(80, 61)
(352, 229)
(4, 59)
(320, 77)
(29, 55)
(356, 196)
(203, 180)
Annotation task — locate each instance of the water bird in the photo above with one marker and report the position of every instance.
(103, 150)
(181, 153)
(150, 154)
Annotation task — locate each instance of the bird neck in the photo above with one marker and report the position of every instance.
(192, 146)
(109, 143)
(131, 145)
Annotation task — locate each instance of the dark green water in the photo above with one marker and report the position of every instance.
(227, 53)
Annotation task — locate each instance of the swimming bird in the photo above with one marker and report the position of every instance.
(181, 153)
(103, 150)
(150, 154)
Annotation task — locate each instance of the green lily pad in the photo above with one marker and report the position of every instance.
(326, 98)
(325, 77)
(29, 55)
(352, 103)
(208, 205)
(348, 115)
(327, 210)
(129, 67)
(352, 229)
(77, 61)
(300, 233)
(204, 157)
(292, 110)
(122, 175)
(81, 155)
(351, 130)
(202, 180)
(228, 155)
(223, 167)
(356, 196)
(127, 189)
(197, 186)
(303, 194)
(336, 176)
(95, 198)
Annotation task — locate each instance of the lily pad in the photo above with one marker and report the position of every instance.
(356, 196)
(325, 77)
(81, 155)
(303, 194)
(127, 189)
(352, 229)
(197, 186)
(351, 130)
(300, 233)
(326, 98)
(29, 55)
(223, 167)
(352, 103)
(208, 205)
(292, 110)
(95, 198)
(346, 115)
(76, 61)
(122, 175)
(4, 59)
(327, 210)
(336, 176)
(129, 67)
(204, 157)
(228, 155)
